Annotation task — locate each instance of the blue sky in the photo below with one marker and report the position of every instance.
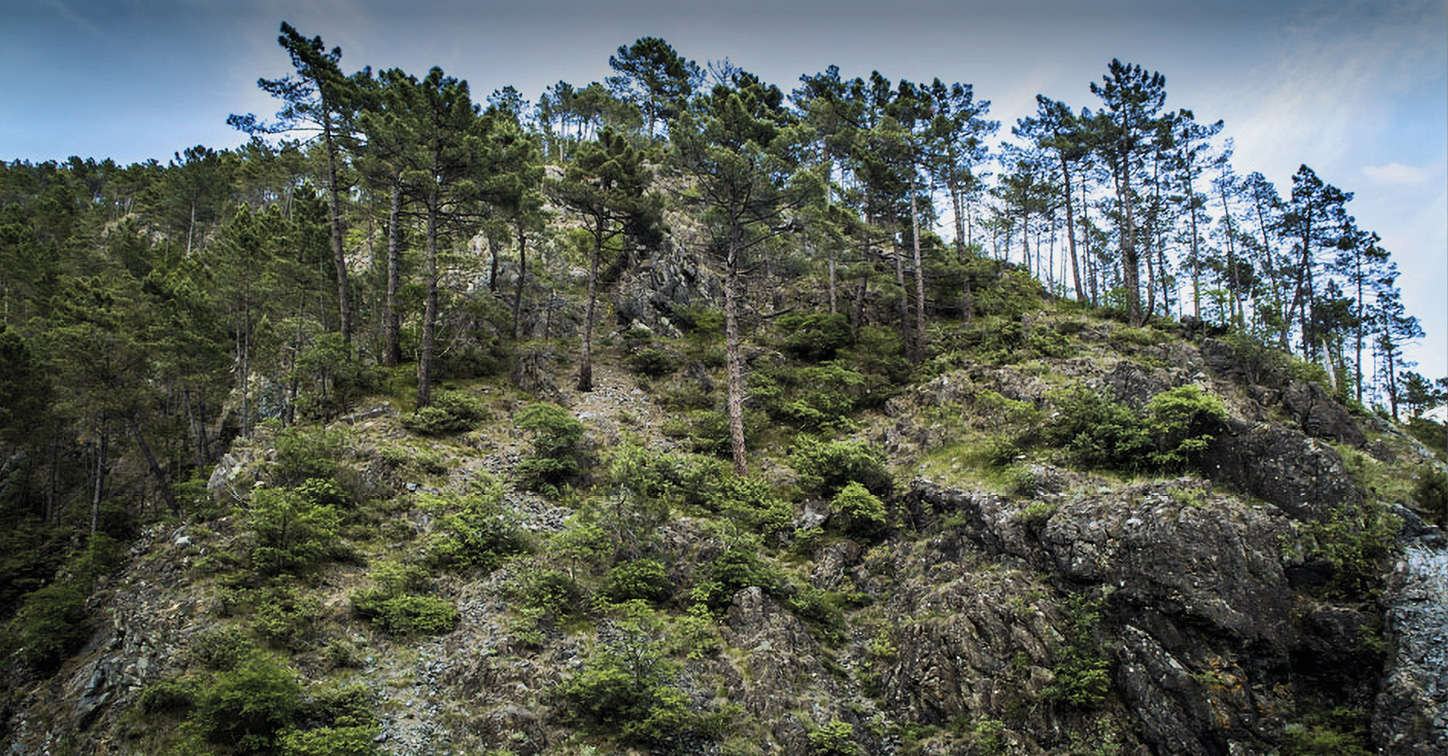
(1357, 90)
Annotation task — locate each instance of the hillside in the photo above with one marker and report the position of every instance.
(1060, 534)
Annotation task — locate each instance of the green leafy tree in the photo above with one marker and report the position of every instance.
(653, 76)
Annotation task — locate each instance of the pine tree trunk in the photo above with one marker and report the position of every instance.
(339, 258)
(1196, 255)
(429, 318)
(522, 280)
(734, 362)
(585, 368)
(392, 348)
(918, 354)
(1071, 231)
(493, 271)
(1130, 264)
(162, 484)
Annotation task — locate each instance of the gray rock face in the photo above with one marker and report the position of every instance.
(1302, 476)
(1319, 414)
(672, 280)
(1411, 713)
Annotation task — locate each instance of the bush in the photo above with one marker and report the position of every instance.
(450, 412)
(862, 513)
(814, 336)
(1182, 422)
(626, 688)
(51, 625)
(834, 738)
(291, 534)
(702, 431)
(652, 362)
(479, 536)
(737, 567)
(1096, 431)
(819, 397)
(174, 698)
(405, 614)
(286, 618)
(249, 707)
(751, 502)
(331, 741)
(303, 454)
(556, 436)
(1431, 493)
(825, 467)
(1356, 544)
(1081, 669)
(644, 579)
(220, 649)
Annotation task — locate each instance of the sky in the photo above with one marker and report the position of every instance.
(1356, 90)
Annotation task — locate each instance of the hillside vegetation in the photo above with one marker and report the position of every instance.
(661, 422)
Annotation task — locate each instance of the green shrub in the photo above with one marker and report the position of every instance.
(819, 397)
(834, 738)
(221, 649)
(291, 534)
(825, 467)
(737, 567)
(1431, 493)
(478, 536)
(1182, 422)
(643, 579)
(249, 707)
(626, 688)
(405, 614)
(556, 436)
(331, 741)
(702, 431)
(1357, 544)
(814, 336)
(172, 697)
(1096, 431)
(303, 454)
(688, 480)
(862, 513)
(51, 625)
(1081, 670)
(286, 618)
(1431, 434)
(653, 362)
(751, 502)
(450, 412)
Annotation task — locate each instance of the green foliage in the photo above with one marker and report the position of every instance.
(290, 533)
(825, 467)
(1094, 430)
(626, 688)
(687, 480)
(169, 697)
(702, 431)
(477, 535)
(303, 454)
(751, 502)
(1431, 434)
(1081, 669)
(814, 336)
(862, 513)
(653, 362)
(406, 614)
(249, 707)
(50, 625)
(556, 454)
(818, 397)
(1357, 545)
(285, 617)
(738, 566)
(1431, 493)
(330, 741)
(221, 649)
(449, 412)
(1182, 422)
(834, 738)
(1338, 732)
(644, 579)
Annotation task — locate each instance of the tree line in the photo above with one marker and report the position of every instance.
(153, 312)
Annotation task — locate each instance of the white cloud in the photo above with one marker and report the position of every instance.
(1396, 173)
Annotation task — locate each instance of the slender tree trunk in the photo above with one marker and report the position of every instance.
(1130, 264)
(585, 369)
(429, 317)
(198, 431)
(1071, 231)
(392, 348)
(522, 279)
(918, 354)
(1196, 255)
(191, 228)
(1234, 301)
(339, 258)
(1358, 361)
(904, 301)
(493, 272)
(834, 293)
(1392, 379)
(734, 361)
(99, 484)
(162, 484)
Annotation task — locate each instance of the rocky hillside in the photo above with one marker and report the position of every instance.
(1057, 535)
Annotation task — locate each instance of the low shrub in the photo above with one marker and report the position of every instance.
(643, 579)
(653, 362)
(834, 738)
(626, 688)
(303, 453)
(825, 467)
(173, 697)
(1182, 422)
(861, 513)
(221, 649)
(450, 412)
(556, 456)
(405, 614)
(814, 336)
(290, 533)
(285, 617)
(478, 535)
(249, 707)
(1431, 493)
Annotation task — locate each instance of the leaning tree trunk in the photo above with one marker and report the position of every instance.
(522, 279)
(339, 258)
(918, 353)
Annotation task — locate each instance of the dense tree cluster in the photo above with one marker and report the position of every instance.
(153, 312)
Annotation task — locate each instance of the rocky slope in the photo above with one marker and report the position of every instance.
(1279, 595)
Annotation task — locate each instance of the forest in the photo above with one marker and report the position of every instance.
(387, 232)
